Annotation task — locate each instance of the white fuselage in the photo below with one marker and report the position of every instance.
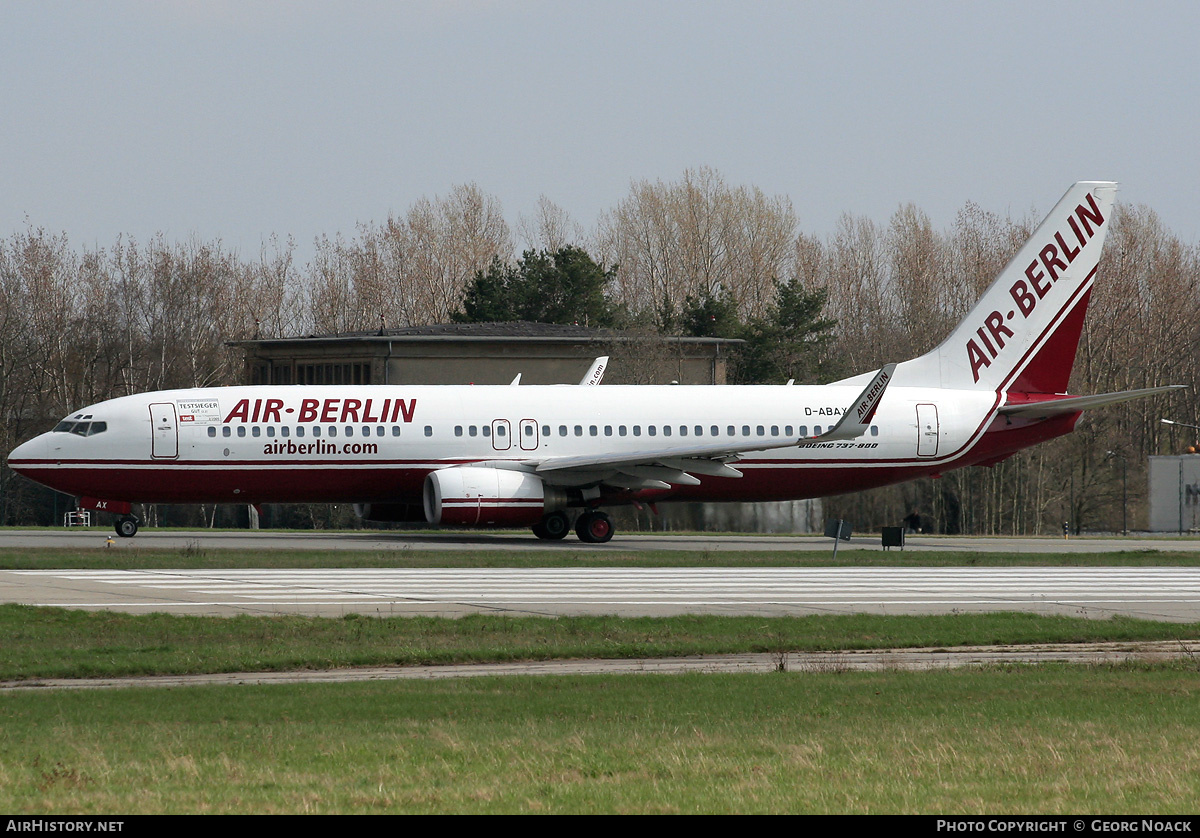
(377, 443)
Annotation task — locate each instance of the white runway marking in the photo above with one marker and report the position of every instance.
(1155, 593)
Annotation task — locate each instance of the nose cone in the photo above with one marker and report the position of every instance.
(27, 456)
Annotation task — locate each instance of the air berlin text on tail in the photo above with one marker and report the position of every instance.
(1053, 259)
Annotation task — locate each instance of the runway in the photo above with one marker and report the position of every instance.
(1171, 594)
(526, 542)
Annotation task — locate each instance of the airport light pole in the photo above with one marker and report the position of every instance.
(1124, 490)
(1179, 424)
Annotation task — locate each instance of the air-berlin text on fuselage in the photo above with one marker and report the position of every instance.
(1040, 274)
(323, 410)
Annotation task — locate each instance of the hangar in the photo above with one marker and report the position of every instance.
(485, 353)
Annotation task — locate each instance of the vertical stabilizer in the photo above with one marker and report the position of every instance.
(1023, 333)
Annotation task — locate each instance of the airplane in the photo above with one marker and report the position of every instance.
(528, 456)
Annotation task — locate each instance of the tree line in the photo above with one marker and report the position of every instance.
(694, 256)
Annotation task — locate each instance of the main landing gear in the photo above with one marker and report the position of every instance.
(127, 527)
(553, 526)
(593, 527)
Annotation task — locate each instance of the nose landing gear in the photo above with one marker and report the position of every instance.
(127, 526)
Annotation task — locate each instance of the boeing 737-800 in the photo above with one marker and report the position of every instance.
(490, 456)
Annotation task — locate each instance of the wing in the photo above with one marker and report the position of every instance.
(658, 468)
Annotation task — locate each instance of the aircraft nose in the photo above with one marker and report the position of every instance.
(26, 452)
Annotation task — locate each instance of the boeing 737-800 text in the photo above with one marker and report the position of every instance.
(489, 456)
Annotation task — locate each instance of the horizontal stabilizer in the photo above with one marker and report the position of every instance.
(1074, 404)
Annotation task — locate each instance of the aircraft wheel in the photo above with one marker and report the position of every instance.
(553, 526)
(594, 527)
(127, 527)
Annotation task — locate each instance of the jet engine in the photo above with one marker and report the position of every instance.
(488, 497)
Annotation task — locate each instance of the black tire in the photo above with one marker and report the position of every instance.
(594, 527)
(127, 527)
(553, 526)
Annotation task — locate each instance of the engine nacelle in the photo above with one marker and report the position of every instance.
(488, 497)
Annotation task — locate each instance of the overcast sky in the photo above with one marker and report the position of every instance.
(239, 119)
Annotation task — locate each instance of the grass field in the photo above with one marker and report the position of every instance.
(1030, 739)
(1044, 739)
(61, 643)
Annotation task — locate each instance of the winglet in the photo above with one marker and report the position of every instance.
(857, 418)
(595, 372)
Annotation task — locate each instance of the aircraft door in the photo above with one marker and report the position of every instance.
(529, 435)
(501, 440)
(927, 430)
(165, 429)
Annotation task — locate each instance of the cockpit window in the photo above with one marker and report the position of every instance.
(80, 428)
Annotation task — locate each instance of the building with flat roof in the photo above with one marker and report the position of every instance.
(485, 353)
